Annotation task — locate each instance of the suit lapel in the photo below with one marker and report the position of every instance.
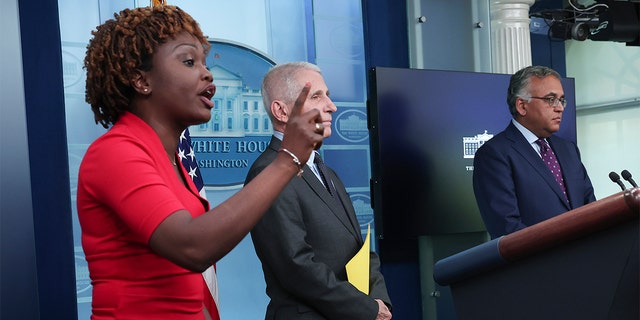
(522, 146)
(347, 207)
(563, 155)
(337, 208)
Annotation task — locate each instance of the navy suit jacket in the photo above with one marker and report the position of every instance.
(304, 241)
(515, 189)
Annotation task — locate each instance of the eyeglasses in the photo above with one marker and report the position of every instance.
(552, 101)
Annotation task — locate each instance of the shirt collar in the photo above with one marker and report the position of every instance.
(531, 138)
(280, 135)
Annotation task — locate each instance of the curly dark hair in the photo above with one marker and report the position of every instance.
(123, 45)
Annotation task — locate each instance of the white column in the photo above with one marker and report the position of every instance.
(510, 38)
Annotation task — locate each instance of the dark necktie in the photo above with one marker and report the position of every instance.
(322, 168)
(551, 161)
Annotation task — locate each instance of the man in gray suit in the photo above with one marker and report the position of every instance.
(311, 231)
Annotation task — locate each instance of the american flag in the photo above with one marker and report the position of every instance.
(188, 160)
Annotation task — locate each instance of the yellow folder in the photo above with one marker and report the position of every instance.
(358, 266)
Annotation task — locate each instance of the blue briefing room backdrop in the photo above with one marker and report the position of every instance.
(247, 38)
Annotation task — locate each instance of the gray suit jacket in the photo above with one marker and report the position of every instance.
(304, 241)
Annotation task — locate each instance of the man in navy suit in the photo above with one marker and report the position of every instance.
(513, 184)
(311, 230)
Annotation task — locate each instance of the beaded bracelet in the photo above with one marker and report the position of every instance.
(295, 160)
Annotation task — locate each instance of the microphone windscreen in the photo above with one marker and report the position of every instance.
(614, 176)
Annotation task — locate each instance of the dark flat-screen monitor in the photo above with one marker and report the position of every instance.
(425, 126)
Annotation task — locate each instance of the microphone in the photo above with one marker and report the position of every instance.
(616, 178)
(627, 176)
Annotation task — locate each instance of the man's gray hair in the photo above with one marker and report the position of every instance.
(520, 81)
(280, 83)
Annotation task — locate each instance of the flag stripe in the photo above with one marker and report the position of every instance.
(188, 161)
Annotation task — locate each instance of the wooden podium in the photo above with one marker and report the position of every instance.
(582, 264)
